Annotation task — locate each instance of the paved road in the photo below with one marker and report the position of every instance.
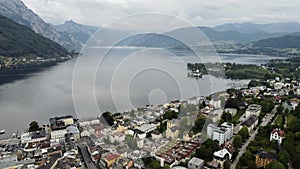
(264, 122)
(86, 157)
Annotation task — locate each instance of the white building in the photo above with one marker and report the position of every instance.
(117, 137)
(277, 135)
(58, 134)
(253, 109)
(220, 133)
(216, 103)
(146, 128)
(232, 111)
(88, 121)
(195, 163)
(87, 131)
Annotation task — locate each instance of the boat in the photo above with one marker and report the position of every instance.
(2, 132)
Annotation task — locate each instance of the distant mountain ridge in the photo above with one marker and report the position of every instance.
(250, 28)
(161, 40)
(17, 40)
(287, 41)
(81, 32)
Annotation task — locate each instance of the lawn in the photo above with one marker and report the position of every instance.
(279, 119)
(290, 118)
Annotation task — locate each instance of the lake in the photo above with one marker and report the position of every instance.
(122, 80)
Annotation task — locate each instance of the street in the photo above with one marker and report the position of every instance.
(264, 122)
(86, 156)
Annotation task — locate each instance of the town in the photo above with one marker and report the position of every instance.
(239, 128)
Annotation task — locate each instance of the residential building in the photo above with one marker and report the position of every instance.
(74, 132)
(213, 165)
(58, 134)
(277, 135)
(147, 128)
(221, 133)
(33, 136)
(232, 111)
(117, 137)
(216, 103)
(195, 163)
(250, 123)
(253, 109)
(107, 160)
(262, 159)
(61, 122)
(88, 121)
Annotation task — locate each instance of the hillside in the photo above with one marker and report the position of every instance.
(17, 40)
(81, 32)
(250, 28)
(161, 40)
(17, 11)
(287, 41)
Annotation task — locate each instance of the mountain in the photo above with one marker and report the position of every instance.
(250, 28)
(236, 36)
(151, 40)
(287, 41)
(81, 32)
(18, 12)
(17, 40)
(161, 40)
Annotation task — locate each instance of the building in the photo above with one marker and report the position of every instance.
(58, 134)
(213, 165)
(262, 159)
(253, 109)
(221, 133)
(117, 137)
(61, 122)
(108, 160)
(74, 132)
(35, 136)
(216, 103)
(147, 128)
(172, 129)
(232, 111)
(88, 121)
(277, 135)
(250, 123)
(195, 163)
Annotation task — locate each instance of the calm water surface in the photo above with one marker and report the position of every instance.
(124, 79)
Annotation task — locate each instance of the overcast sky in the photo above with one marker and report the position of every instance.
(199, 12)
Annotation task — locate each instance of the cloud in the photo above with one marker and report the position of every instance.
(204, 12)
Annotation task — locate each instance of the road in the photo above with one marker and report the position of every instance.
(264, 122)
(86, 156)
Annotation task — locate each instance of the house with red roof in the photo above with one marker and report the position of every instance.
(277, 135)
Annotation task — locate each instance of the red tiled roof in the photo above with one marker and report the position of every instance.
(111, 157)
(281, 133)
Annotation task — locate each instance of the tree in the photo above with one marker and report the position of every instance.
(199, 123)
(226, 164)
(207, 150)
(34, 126)
(226, 117)
(154, 164)
(233, 103)
(275, 165)
(283, 157)
(169, 114)
(237, 141)
(244, 133)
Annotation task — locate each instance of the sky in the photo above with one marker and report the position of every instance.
(198, 12)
